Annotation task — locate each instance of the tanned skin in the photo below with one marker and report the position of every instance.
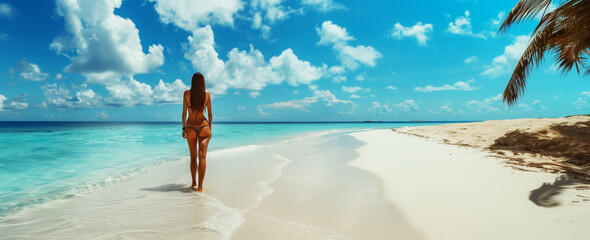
(197, 119)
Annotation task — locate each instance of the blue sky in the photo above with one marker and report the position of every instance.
(271, 60)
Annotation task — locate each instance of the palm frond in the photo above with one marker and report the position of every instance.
(564, 31)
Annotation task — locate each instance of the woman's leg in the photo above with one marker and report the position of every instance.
(204, 137)
(191, 138)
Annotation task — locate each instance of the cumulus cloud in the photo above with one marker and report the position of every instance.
(323, 5)
(32, 72)
(246, 70)
(350, 56)
(461, 86)
(301, 104)
(462, 26)
(129, 92)
(391, 88)
(585, 93)
(59, 97)
(418, 31)
(408, 106)
(134, 93)
(504, 63)
(331, 33)
(377, 108)
(471, 59)
(192, 14)
(17, 103)
(488, 105)
(100, 43)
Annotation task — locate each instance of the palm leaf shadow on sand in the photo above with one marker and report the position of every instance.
(172, 187)
(545, 196)
(568, 142)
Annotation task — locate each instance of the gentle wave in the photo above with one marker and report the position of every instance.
(80, 189)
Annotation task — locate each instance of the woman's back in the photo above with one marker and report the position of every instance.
(196, 117)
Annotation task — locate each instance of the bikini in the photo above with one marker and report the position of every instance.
(197, 129)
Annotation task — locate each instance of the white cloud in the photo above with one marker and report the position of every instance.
(408, 106)
(418, 31)
(267, 12)
(351, 57)
(241, 108)
(293, 70)
(301, 104)
(524, 107)
(461, 86)
(586, 93)
(353, 89)
(134, 93)
(59, 97)
(536, 102)
(502, 64)
(2, 99)
(331, 33)
(101, 42)
(361, 77)
(17, 103)
(488, 105)
(471, 59)
(169, 92)
(246, 70)
(102, 115)
(323, 5)
(58, 76)
(462, 26)
(581, 103)
(6, 10)
(499, 19)
(339, 79)
(32, 72)
(391, 88)
(377, 108)
(446, 107)
(254, 94)
(354, 96)
(193, 14)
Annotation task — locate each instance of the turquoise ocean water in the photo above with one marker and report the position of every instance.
(47, 161)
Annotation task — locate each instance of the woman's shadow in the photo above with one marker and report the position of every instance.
(172, 187)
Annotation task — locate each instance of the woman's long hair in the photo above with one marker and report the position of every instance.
(198, 92)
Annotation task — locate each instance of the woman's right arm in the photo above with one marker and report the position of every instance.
(183, 115)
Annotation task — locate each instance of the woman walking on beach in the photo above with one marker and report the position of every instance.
(196, 129)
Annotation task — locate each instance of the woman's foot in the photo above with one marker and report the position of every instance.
(200, 189)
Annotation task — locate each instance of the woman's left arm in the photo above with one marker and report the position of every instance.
(209, 110)
(184, 115)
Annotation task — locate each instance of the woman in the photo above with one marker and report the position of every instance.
(196, 129)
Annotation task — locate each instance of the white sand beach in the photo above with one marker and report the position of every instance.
(369, 184)
(459, 192)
